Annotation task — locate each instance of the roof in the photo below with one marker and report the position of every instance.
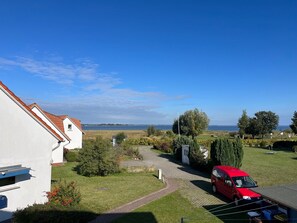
(285, 195)
(55, 120)
(232, 171)
(74, 120)
(29, 111)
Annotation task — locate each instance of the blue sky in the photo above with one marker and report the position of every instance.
(146, 62)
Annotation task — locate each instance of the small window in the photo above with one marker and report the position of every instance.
(7, 181)
(69, 127)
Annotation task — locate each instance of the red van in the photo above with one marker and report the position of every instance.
(234, 184)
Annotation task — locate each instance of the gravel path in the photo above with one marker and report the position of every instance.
(194, 185)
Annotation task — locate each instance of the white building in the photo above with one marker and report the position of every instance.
(26, 145)
(67, 128)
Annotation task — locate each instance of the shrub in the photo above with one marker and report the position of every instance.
(287, 145)
(164, 144)
(52, 214)
(130, 151)
(227, 152)
(64, 194)
(120, 137)
(71, 156)
(177, 145)
(97, 158)
(196, 157)
(295, 149)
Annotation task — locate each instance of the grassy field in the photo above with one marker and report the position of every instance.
(270, 169)
(108, 134)
(168, 209)
(100, 194)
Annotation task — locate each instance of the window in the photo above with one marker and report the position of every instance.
(7, 181)
(69, 127)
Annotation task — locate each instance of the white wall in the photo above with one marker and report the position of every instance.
(24, 141)
(75, 134)
(57, 155)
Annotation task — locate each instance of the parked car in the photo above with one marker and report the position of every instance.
(233, 183)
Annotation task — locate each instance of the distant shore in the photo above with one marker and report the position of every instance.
(228, 128)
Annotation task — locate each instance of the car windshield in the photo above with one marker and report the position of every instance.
(244, 182)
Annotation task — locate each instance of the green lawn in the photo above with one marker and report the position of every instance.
(171, 209)
(100, 194)
(270, 169)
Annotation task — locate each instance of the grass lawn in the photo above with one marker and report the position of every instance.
(270, 169)
(171, 208)
(100, 194)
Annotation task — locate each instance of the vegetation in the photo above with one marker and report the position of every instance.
(170, 208)
(52, 214)
(243, 123)
(227, 152)
(191, 123)
(100, 194)
(196, 156)
(263, 123)
(177, 145)
(64, 194)
(152, 131)
(71, 155)
(97, 158)
(120, 137)
(293, 126)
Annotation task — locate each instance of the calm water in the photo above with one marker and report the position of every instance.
(229, 128)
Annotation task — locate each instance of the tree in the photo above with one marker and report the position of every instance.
(152, 131)
(252, 128)
(263, 123)
(191, 123)
(243, 123)
(266, 122)
(227, 152)
(293, 126)
(97, 158)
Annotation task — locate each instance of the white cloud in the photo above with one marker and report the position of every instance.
(98, 98)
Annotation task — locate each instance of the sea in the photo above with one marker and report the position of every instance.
(228, 128)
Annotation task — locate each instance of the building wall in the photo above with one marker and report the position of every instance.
(74, 134)
(24, 141)
(57, 155)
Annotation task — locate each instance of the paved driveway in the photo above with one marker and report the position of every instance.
(195, 186)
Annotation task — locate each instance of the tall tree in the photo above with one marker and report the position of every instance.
(243, 123)
(267, 121)
(191, 123)
(293, 126)
(253, 128)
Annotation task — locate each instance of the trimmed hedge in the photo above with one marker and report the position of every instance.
(287, 145)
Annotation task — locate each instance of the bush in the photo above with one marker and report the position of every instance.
(130, 151)
(163, 144)
(295, 149)
(177, 145)
(120, 137)
(52, 214)
(196, 157)
(97, 158)
(64, 194)
(227, 152)
(71, 155)
(287, 145)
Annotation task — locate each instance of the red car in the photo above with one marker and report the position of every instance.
(234, 184)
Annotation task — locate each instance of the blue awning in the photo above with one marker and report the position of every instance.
(11, 171)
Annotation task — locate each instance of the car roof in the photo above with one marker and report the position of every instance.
(232, 171)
